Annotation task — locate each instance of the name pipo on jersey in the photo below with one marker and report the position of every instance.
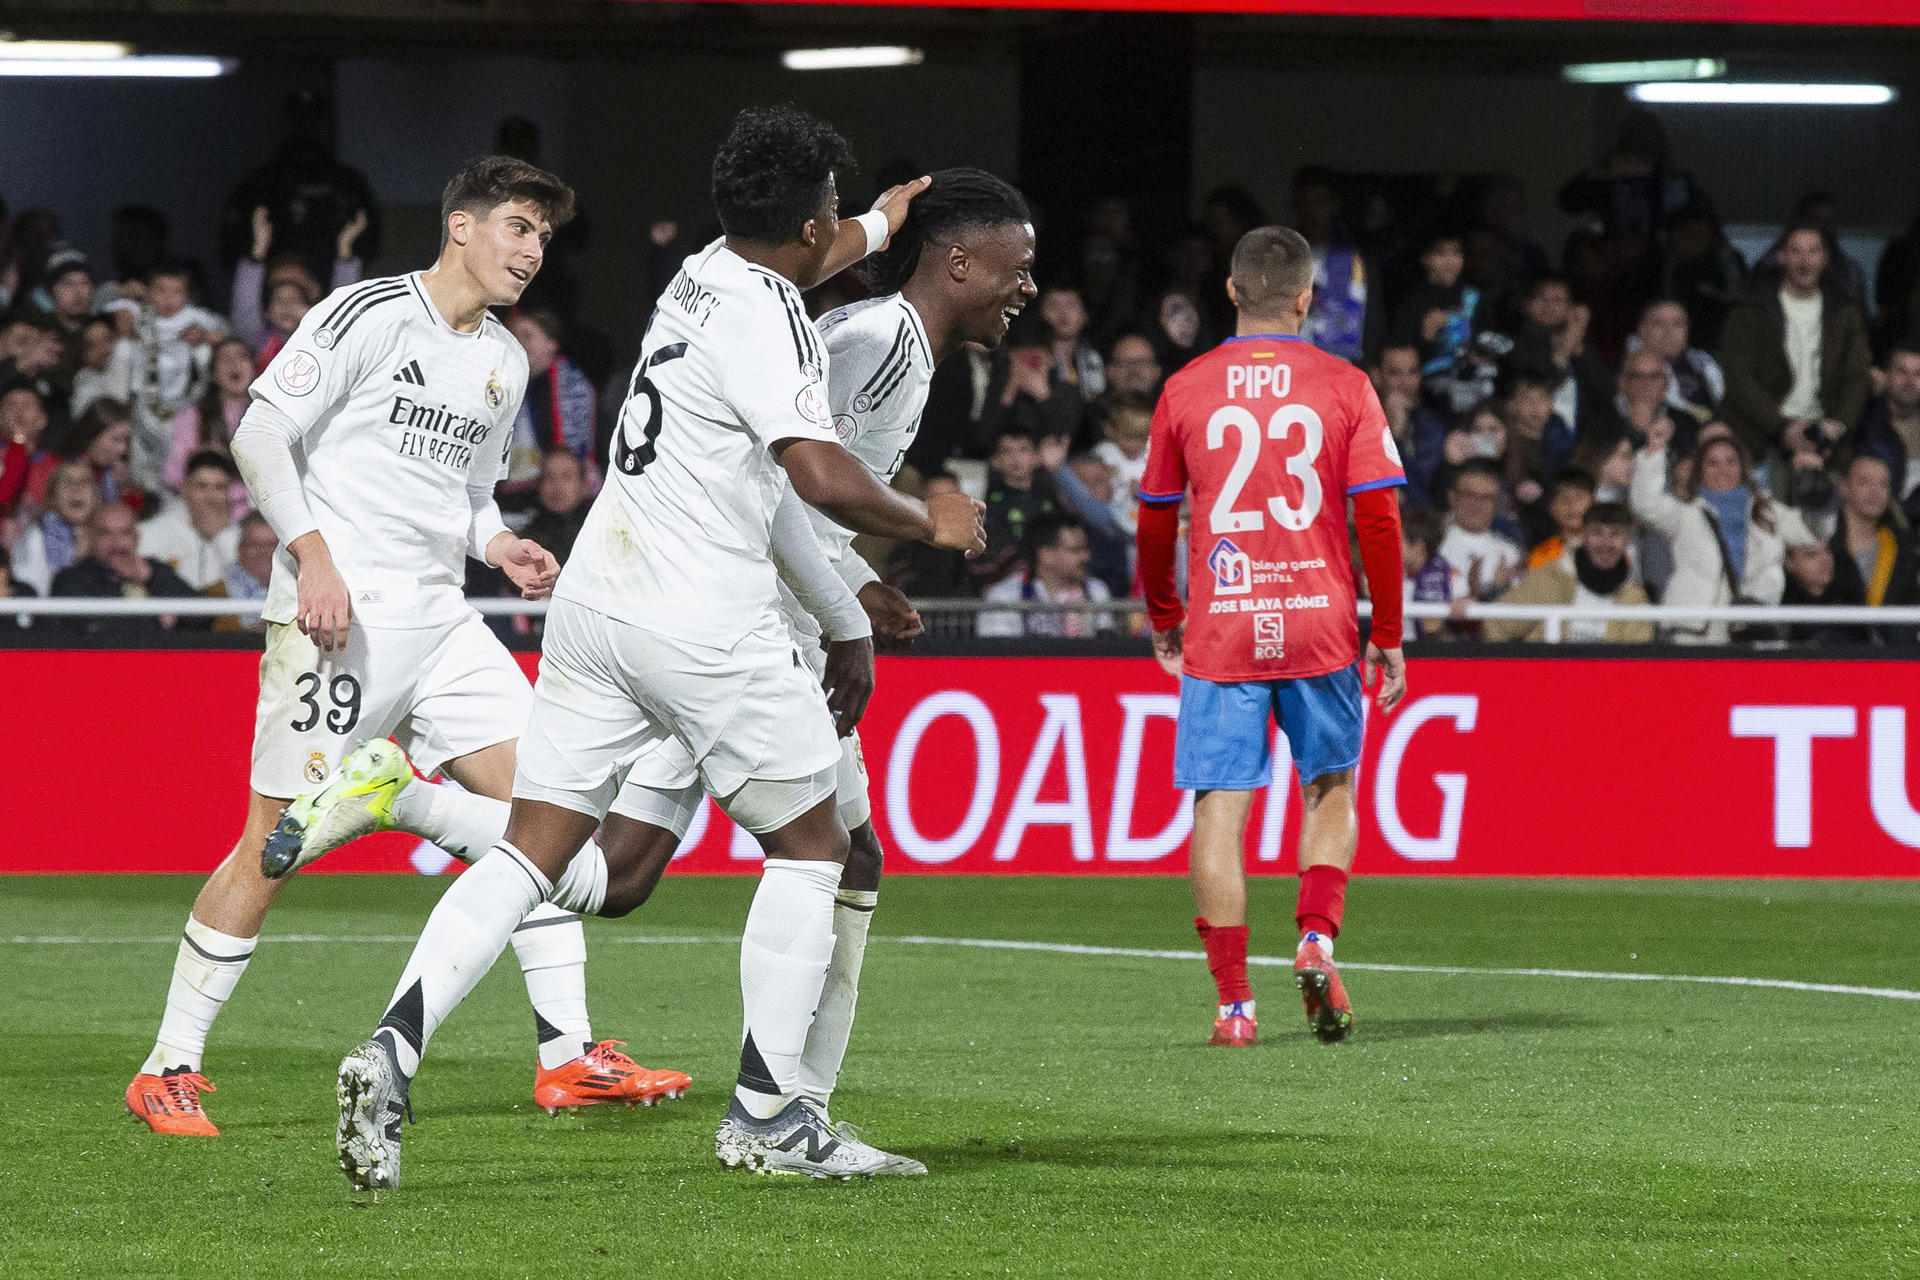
(406, 424)
(1271, 435)
(677, 542)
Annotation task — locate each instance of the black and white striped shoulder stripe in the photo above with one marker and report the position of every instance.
(806, 342)
(357, 303)
(892, 371)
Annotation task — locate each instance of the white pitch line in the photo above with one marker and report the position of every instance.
(1083, 949)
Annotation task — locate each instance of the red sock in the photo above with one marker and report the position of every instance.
(1227, 957)
(1323, 899)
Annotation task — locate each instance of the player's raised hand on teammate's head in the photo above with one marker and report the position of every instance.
(896, 623)
(530, 567)
(848, 682)
(322, 610)
(894, 201)
(1391, 666)
(959, 523)
(1168, 648)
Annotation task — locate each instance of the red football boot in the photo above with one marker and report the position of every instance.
(1329, 1015)
(601, 1075)
(1235, 1028)
(170, 1102)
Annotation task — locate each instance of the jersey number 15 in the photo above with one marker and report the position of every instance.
(1289, 422)
(630, 459)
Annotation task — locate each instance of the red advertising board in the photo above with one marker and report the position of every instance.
(1810, 12)
(137, 761)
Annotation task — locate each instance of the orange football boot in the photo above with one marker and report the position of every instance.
(170, 1102)
(603, 1074)
(1329, 1014)
(1236, 1028)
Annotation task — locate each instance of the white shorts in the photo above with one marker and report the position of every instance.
(610, 693)
(441, 692)
(656, 790)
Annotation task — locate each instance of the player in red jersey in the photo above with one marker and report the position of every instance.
(1272, 436)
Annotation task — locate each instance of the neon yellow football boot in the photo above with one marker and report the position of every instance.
(357, 802)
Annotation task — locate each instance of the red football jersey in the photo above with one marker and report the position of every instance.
(1271, 434)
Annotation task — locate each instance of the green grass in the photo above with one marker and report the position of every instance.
(1475, 1125)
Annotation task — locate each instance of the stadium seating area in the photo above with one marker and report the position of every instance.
(1737, 431)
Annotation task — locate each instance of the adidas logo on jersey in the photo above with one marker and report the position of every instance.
(410, 372)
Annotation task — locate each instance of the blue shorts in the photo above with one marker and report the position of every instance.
(1225, 743)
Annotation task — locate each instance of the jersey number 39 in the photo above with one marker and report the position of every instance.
(1289, 422)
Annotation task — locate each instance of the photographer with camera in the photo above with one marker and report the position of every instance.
(1795, 356)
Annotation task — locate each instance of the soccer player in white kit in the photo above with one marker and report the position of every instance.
(958, 270)
(372, 447)
(665, 627)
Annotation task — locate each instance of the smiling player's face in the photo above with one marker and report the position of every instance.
(504, 250)
(993, 272)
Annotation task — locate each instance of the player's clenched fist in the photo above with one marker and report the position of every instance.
(896, 623)
(959, 522)
(530, 567)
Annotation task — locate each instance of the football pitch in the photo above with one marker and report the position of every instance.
(1481, 1121)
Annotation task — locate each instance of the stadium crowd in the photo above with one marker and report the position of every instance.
(1644, 416)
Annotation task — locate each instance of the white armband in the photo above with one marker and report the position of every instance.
(874, 223)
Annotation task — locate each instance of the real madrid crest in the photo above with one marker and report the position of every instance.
(317, 767)
(496, 394)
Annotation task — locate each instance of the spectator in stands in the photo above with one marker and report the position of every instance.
(1873, 555)
(1608, 458)
(1819, 209)
(561, 503)
(1810, 574)
(1539, 443)
(1132, 366)
(1181, 330)
(1429, 578)
(1056, 573)
(1229, 213)
(921, 570)
(1568, 500)
(268, 303)
(170, 343)
(1795, 356)
(1520, 260)
(1597, 573)
(1483, 562)
(114, 567)
(1348, 318)
(1074, 361)
(1644, 382)
(1481, 434)
(67, 301)
(249, 574)
(1890, 427)
(195, 535)
(100, 439)
(1552, 336)
(1704, 271)
(1437, 314)
(211, 422)
(57, 536)
(1129, 425)
(23, 422)
(1087, 489)
(1418, 432)
(30, 350)
(1695, 384)
(1017, 494)
(98, 375)
(1035, 399)
(1729, 539)
(23, 258)
(309, 195)
(558, 409)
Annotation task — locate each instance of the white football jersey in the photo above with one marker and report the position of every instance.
(677, 542)
(881, 367)
(407, 422)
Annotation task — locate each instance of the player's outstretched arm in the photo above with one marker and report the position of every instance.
(868, 234)
(841, 487)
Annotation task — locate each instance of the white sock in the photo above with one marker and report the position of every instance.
(463, 823)
(784, 953)
(205, 972)
(1315, 936)
(826, 1046)
(1246, 1007)
(552, 948)
(464, 936)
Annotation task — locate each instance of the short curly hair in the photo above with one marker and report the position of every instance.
(770, 176)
